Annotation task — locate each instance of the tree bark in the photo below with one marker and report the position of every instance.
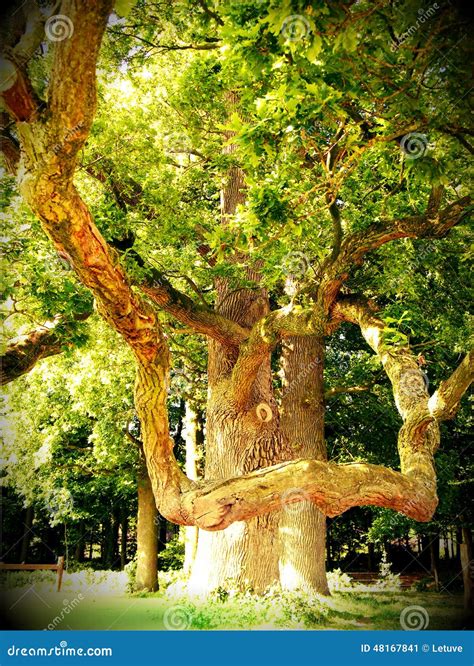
(240, 437)
(302, 525)
(239, 440)
(191, 434)
(147, 536)
(123, 538)
(25, 542)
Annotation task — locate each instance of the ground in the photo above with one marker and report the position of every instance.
(98, 601)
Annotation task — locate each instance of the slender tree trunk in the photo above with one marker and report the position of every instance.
(115, 537)
(434, 557)
(302, 525)
(191, 434)
(79, 550)
(25, 542)
(123, 539)
(370, 556)
(329, 553)
(107, 543)
(467, 568)
(147, 535)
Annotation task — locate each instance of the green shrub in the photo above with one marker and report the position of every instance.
(172, 557)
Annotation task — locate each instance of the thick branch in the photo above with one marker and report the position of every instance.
(432, 224)
(333, 488)
(444, 403)
(199, 317)
(340, 390)
(23, 354)
(72, 89)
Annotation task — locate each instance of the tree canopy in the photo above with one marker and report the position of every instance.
(345, 129)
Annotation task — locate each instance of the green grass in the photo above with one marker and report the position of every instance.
(98, 607)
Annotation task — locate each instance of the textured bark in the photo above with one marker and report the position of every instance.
(22, 355)
(147, 536)
(302, 525)
(239, 442)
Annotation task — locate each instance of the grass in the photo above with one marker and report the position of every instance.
(98, 601)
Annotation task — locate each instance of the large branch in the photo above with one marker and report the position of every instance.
(23, 353)
(199, 317)
(154, 283)
(336, 488)
(431, 224)
(72, 89)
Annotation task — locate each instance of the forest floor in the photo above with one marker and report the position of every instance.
(107, 606)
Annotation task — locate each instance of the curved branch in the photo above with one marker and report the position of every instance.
(432, 224)
(199, 317)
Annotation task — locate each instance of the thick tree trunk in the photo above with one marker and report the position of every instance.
(147, 536)
(302, 525)
(191, 435)
(239, 440)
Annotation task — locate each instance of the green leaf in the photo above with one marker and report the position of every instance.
(315, 49)
(124, 7)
